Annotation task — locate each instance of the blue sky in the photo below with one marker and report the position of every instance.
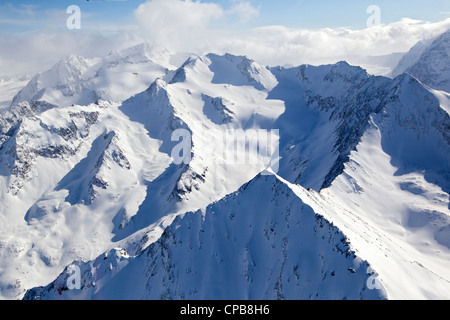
(26, 15)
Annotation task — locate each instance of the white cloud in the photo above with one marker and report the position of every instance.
(275, 44)
(187, 25)
(176, 22)
(279, 45)
(244, 10)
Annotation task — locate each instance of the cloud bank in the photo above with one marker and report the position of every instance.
(165, 22)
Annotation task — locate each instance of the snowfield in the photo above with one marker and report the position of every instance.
(350, 199)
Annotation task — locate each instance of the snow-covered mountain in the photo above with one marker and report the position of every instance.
(392, 198)
(349, 199)
(411, 57)
(261, 242)
(77, 80)
(429, 62)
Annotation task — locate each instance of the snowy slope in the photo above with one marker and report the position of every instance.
(182, 103)
(70, 177)
(392, 200)
(261, 242)
(327, 110)
(411, 57)
(432, 65)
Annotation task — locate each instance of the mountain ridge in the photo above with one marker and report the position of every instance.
(182, 245)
